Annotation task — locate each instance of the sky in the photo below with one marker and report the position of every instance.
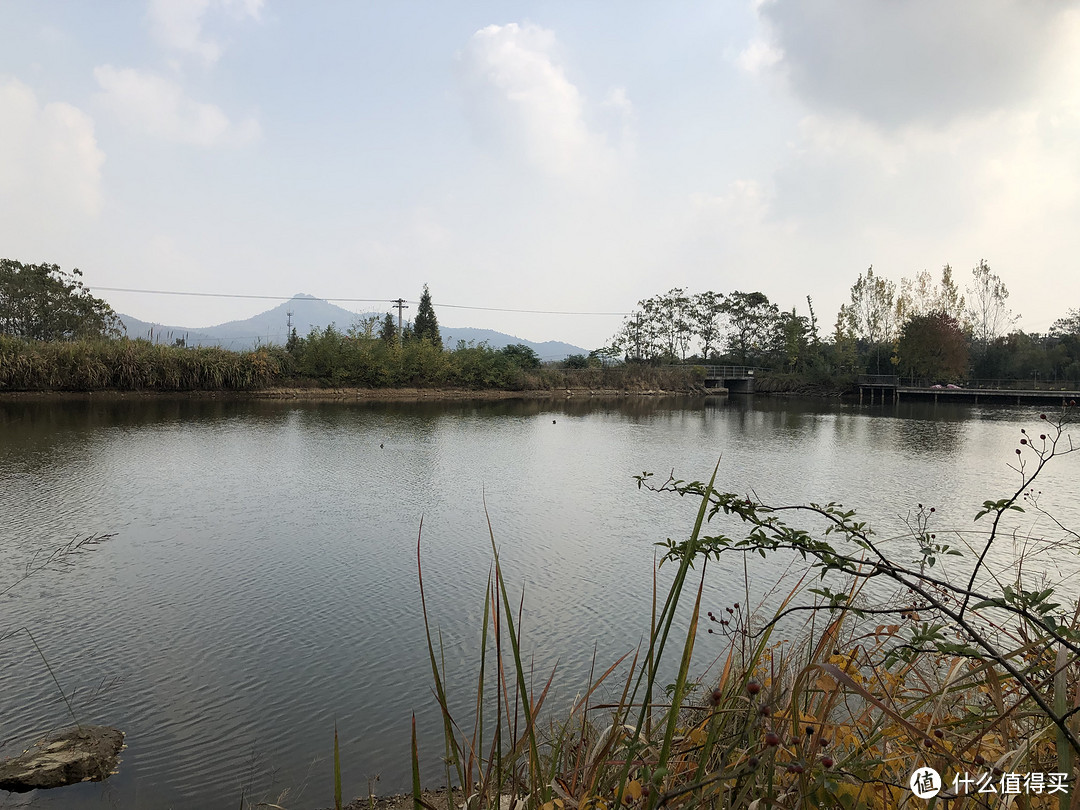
(556, 157)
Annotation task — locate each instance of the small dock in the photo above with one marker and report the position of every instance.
(736, 379)
(881, 386)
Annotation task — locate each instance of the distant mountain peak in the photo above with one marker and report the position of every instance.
(306, 312)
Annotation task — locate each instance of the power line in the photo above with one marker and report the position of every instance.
(393, 301)
(526, 311)
(239, 295)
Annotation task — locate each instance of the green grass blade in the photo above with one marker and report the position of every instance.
(453, 754)
(515, 646)
(680, 681)
(337, 772)
(417, 801)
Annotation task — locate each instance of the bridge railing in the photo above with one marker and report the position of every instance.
(882, 380)
(1026, 384)
(994, 384)
(728, 372)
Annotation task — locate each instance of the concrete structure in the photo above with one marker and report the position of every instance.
(737, 379)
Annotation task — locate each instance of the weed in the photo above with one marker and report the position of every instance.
(963, 673)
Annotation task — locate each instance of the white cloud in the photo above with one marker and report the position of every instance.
(618, 100)
(179, 25)
(759, 56)
(521, 100)
(50, 163)
(744, 204)
(158, 106)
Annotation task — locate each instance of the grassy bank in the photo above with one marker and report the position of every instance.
(331, 361)
(812, 384)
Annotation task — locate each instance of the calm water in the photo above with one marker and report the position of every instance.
(262, 582)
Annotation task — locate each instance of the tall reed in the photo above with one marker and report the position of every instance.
(134, 365)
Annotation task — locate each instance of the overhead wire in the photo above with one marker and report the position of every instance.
(355, 300)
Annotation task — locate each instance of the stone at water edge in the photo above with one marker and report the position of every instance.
(80, 754)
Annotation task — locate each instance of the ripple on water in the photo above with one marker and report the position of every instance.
(262, 585)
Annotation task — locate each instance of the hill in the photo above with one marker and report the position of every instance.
(310, 313)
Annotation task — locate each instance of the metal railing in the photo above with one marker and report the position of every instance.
(729, 372)
(990, 384)
(880, 380)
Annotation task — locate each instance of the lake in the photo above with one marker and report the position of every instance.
(261, 585)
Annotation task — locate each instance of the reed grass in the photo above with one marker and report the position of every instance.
(134, 365)
(327, 358)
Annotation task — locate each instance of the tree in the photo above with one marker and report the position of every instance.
(604, 356)
(43, 302)
(933, 347)
(871, 315)
(794, 329)
(522, 356)
(364, 328)
(845, 346)
(633, 338)
(987, 313)
(1068, 325)
(388, 330)
(668, 318)
(426, 325)
(949, 300)
(751, 320)
(813, 338)
(706, 312)
(921, 296)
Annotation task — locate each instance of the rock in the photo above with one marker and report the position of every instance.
(80, 754)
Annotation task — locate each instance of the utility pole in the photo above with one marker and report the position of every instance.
(400, 304)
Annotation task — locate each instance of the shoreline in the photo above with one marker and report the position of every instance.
(366, 394)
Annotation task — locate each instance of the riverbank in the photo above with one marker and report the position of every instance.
(404, 801)
(368, 394)
(330, 361)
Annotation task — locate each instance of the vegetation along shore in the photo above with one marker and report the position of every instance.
(56, 336)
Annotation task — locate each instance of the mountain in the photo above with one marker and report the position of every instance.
(548, 350)
(310, 313)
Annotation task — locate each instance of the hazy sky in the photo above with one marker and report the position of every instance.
(543, 156)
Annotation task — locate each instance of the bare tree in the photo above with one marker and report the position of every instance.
(989, 317)
(920, 296)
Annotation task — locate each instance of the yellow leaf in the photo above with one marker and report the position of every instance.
(633, 791)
